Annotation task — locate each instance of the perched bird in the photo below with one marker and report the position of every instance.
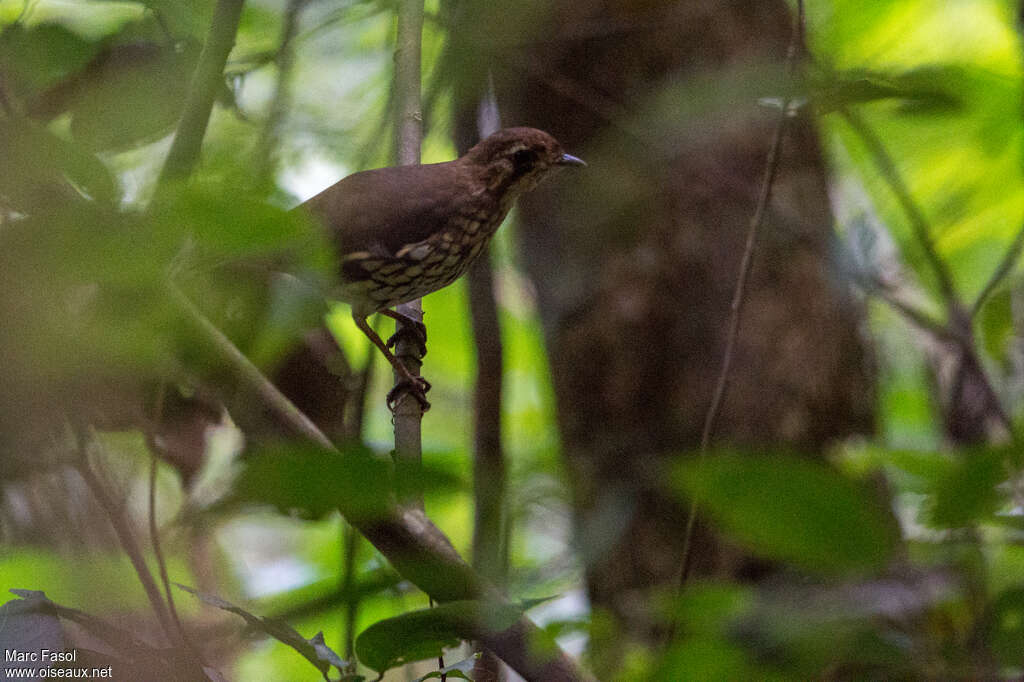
(404, 232)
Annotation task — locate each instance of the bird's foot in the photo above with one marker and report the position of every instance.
(413, 330)
(416, 387)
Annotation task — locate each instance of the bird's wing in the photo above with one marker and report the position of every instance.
(380, 211)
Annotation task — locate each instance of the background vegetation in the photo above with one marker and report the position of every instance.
(882, 540)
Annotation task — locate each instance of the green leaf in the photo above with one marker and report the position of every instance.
(40, 56)
(422, 634)
(313, 481)
(968, 493)
(996, 322)
(794, 510)
(34, 164)
(1004, 627)
(128, 95)
(705, 658)
(226, 223)
(711, 608)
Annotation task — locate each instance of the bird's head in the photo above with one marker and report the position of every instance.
(514, 160)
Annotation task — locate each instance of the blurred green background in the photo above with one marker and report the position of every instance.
(92, 91)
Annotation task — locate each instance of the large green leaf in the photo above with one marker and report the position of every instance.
(1003, 627)
(422, 634)
(793, 510)
(313, 481)
(967, 493)
(35, 165)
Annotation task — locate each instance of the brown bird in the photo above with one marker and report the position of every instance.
(404, 232)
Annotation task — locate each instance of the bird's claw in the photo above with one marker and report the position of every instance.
(417, 387)
(415, 332)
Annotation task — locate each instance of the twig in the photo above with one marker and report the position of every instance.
(1005, 266)
(207, 80)
(123, 532)
(958, 326)
(356, 417)
(348, 582)
(939, 330)
(279, 103)
(488, 457)
(290, 415)
(417, 549)
(736, 308)
(918, 223)
(154, 534)
(408, 414)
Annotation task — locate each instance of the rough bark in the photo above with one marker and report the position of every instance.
(635, 264)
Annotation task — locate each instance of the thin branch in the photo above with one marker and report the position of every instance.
(1005, 267)
(958, 325)
(469, 91)
(736, 308)
(123, 532)
(154, 534)
(408, 414)
(356, 417)
(348, 582)
(206, 82)
(281, 100)
(920, 319)
(414, 546)
(289, 415)
(918, 223)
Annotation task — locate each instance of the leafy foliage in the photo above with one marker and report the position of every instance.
(794, 510)
(416, 635)
(903, 561)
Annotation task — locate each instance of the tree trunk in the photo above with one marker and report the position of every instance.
(635, 260)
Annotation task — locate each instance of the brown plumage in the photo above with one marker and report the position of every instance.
(404, 232)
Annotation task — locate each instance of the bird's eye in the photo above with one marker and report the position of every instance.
(524, 157)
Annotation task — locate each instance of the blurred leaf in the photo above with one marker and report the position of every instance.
(227, 224)
(935, 88)
(128, 94)
(34, 163)
(793, 510)
(710, 608)
(184, 17)
(417, 635)
(313, 650)
(314, 482)
(38, 57)
(967, 493)
(996, 322)
(705, 658)
(1004, 627)
(26, 627)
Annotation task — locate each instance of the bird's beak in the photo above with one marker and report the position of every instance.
(570, 160)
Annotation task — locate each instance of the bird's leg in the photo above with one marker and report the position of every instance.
(417, 386)
(414, 328)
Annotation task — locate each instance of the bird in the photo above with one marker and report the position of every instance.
(402, 232)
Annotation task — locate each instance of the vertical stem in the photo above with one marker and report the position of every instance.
(408, 416)
(348, 586)
(739, 293)
(123, 532)
(207, 80)
(265, 149)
